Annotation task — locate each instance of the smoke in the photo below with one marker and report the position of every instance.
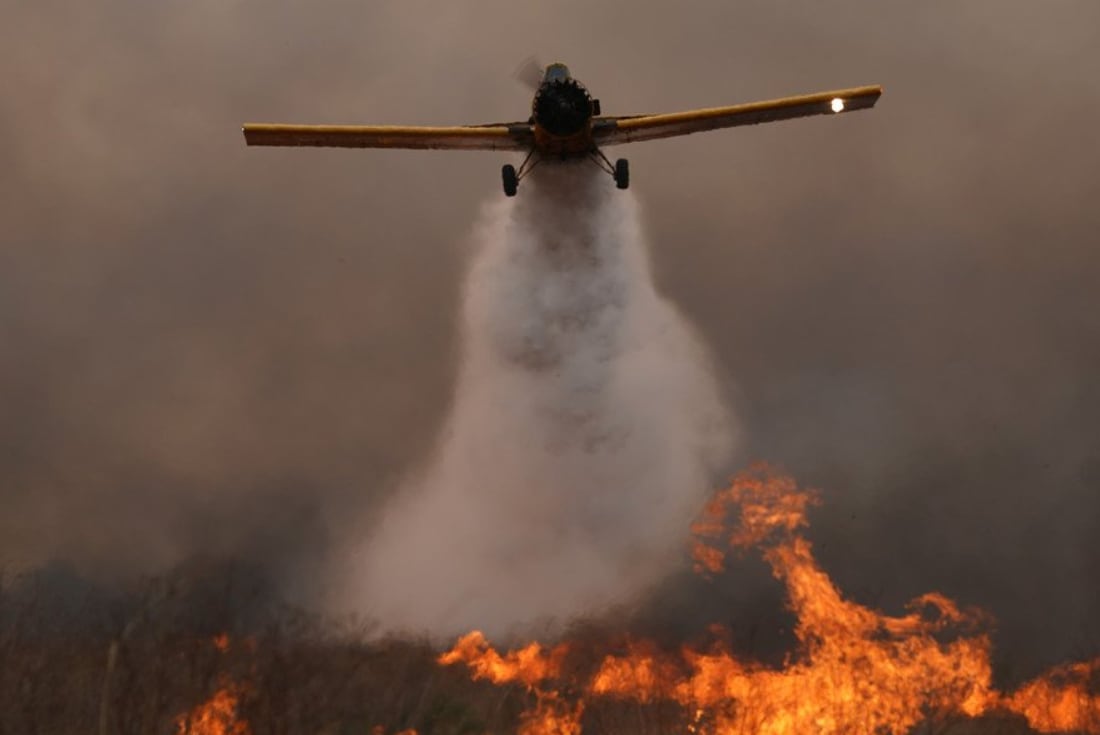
(585, 432)
(232, 351)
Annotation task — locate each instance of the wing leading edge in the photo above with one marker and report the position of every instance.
(507, 137)
(614, 130)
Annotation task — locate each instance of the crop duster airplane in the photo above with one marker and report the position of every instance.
(565, 123)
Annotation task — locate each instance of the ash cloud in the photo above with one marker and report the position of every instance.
(202, 345)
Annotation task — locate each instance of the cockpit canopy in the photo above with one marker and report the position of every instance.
(556, 72)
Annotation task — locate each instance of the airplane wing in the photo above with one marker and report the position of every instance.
(628, 129)
(494, 137)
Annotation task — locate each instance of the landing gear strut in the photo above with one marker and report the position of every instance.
(510, 176)
(620, 170)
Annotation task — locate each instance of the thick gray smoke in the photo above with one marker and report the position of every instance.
(586, 429)
(211, 348)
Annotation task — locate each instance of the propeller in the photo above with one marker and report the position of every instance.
(529, 73)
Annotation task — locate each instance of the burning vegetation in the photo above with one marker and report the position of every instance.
(855, 671)
(216, 716)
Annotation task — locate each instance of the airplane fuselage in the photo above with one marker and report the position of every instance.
(562, 114)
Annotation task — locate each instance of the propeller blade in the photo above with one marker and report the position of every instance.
(530, 72)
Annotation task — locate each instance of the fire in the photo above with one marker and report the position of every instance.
(1060, 701)
(215, 716)
(855, 670)
(530, 666)
(552, 716)
(221, 642)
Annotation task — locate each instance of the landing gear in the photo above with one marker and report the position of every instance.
(511, 177)
(622, 173)
(511, 181)
(620, 170)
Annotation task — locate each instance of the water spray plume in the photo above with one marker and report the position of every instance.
(585, 432)
(855, 671)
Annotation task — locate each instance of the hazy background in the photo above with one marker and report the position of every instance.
(210, 348)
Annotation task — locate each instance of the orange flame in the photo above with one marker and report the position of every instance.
(855, 671)
(215, 716)
(552, 716)
(221, 642)
(529, 666)
(1060, 701)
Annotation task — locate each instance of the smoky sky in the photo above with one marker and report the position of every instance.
(210, 348)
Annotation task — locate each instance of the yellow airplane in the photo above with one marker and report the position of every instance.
(565, 123)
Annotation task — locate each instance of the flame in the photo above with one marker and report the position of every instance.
(529, 665)
(1060, 701)
(215, 716)
(552, 716)
(855, 670)
(221, 642)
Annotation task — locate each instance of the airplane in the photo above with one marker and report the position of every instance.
(565, 123)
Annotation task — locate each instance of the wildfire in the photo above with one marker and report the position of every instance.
(530, 666)
(221, 642)
(215, 716)
(855, 669)
(1060, 701)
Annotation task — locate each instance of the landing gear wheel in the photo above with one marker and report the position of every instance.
(622, 173)
(511, 183)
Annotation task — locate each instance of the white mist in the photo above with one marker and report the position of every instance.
(586, 430)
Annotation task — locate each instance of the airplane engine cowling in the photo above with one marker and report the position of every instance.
(562, 107)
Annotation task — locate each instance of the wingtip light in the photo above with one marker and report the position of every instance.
(837, 104)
